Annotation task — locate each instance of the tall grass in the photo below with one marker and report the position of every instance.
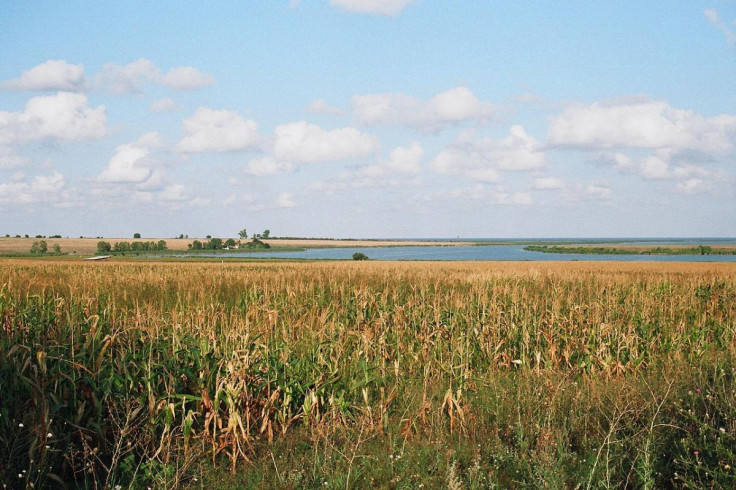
(476, 374)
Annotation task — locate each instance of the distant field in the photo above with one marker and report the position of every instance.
(80, 246)
(367, 374)
(87, 246)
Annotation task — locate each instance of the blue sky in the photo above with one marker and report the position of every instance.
(368, 118)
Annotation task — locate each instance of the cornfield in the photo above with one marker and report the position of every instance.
(477, 374)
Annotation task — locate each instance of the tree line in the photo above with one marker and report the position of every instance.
(105, 247)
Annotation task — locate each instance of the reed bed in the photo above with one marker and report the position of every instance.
(351, 374)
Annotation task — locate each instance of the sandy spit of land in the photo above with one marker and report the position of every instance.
(88, 246)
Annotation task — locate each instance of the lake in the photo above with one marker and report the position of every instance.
(480, 252)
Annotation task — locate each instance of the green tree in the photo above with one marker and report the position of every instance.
(360, 256)
(243, 234)
(161, 245)
(230, 242)
(136, 235)
(34, 248)
(42, 247)
(266, 233)
(57, 249)
(103, 247)
(196, 245)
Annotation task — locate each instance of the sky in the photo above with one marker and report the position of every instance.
(368, 118)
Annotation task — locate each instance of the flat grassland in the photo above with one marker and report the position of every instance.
(367, 374)
(88, 246)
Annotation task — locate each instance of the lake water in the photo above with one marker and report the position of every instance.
(482, 252)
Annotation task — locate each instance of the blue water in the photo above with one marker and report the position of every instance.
(485, 252)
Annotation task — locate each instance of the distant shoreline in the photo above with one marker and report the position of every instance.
(15, 246)
(634, 250)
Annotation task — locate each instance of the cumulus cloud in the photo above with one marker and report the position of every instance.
(173, 193)
(151, 140)
(185, 78)
(266, 166)
(52, 75)
(285, 200)
(447, 108)
(9, 159)
(133, 77)
(641, 123)
(218, 131)
(65, 116)
(125, 166)
(304, 142)
(657, 166)
(402, 162)
(42, 188)
(406, 159)
(388, 8)
(130, 164)
(127, 79)
(484, 159)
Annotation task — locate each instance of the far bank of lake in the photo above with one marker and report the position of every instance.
(508, 252)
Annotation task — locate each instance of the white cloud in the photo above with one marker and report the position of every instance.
(150, 140)
(185, 78)
(548, 183)
(127, 165)
(320, 106)
(641, 123)
(164, 105)
(655, 167)
(64, 116)
(51, 75)
(402, 161)
(156, 180)
(519, 151)
(128, 79)
(43, 188)
(9, 159)
(130, 163)
(133, 77)
(266, 166)
(714, 19)
(447, 108)
(406, 160)
(285, 200)
(484, 159)
(304, 142)
(218, 131)
(388, 8)
(173, 193)
(598, 192)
